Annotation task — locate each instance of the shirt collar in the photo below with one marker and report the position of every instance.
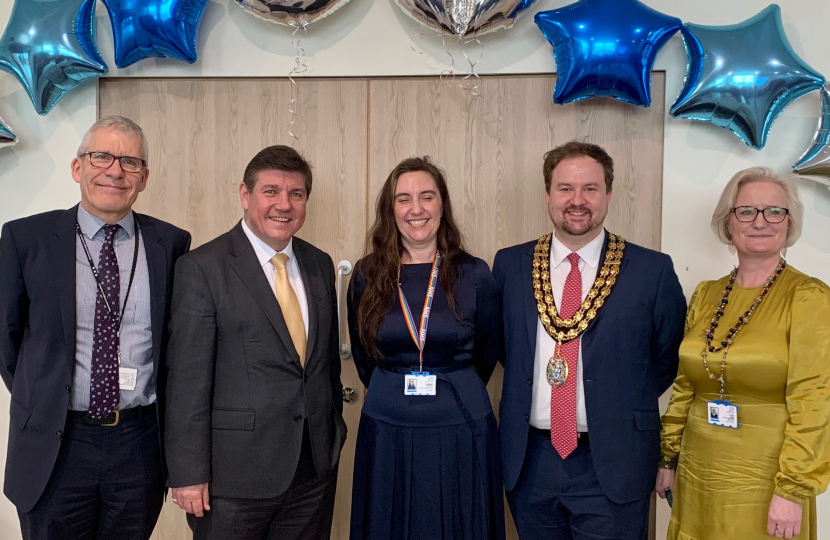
(589, 253)
(264, 252)
(90, 225)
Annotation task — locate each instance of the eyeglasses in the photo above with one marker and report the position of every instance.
(772, 214)
(102, 160)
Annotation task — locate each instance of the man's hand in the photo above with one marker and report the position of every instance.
(192, 499)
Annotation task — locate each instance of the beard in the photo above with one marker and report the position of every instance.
(578, 229)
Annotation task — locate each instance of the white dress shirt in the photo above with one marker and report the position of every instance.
(264, 254)
(546, 345)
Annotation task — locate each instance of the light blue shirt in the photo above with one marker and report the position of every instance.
(136, 332)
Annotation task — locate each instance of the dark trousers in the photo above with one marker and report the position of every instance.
(561, 499)
(107, 484)
(303, 512)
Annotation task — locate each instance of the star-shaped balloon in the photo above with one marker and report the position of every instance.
(605, 48)
(50, 48)
(742, 76)
(816, 160)
(7, 136)
(155, 29)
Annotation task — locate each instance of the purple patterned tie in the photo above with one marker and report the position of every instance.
(104, 392)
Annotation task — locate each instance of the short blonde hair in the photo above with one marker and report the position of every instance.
(750, 176)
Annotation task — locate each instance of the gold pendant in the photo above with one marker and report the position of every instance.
(557, 371)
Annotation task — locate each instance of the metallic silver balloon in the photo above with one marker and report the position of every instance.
(7, 136)
(294, 13)
(465, 17)
(816, 160)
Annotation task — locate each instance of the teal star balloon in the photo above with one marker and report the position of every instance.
(49, 46)
(742, 76)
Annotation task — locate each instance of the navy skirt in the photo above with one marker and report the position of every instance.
(427, 467)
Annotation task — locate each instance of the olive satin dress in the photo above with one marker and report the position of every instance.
(778, 374)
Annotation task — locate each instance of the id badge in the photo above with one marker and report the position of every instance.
(722, 413)
(420, 384)
(127, 378)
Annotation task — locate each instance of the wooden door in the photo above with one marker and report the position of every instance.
(202, 133)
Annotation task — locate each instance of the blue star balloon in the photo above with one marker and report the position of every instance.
(155, 29)
(7, 136)
(740, 77)
(49, 45)
(816, 160)
(605, 48)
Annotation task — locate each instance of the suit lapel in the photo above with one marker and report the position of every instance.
(529, 302)
(247, 267)
(588, 336)
(157, 268)
(309, 274)
(62, 251)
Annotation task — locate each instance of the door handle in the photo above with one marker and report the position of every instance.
(344, 268)
(349, 395)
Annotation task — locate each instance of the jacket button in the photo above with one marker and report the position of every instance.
(305, 378)
(530, 382)
(298, 418)
(527, 417)
(68, 388)
(58, 434)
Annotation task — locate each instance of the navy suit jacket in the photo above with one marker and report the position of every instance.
(629, 356)
(37, 334)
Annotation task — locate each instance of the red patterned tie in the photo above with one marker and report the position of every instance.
(563, 398)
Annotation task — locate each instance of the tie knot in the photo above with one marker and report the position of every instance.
(110, 231)
(574, 260)
(279, 261)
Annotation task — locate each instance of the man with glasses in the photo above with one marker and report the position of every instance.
(84, 305)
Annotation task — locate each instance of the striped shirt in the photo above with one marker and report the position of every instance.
(136, 333)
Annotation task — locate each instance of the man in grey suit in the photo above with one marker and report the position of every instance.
(254, 416)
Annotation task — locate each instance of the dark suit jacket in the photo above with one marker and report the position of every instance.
(37, 322)
(237, 395)
(629, 356)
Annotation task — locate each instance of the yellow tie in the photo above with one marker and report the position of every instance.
(289, 305)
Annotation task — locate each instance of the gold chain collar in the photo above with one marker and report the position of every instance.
(563, 329)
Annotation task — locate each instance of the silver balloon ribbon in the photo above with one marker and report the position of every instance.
(300, 67)
(472, 81)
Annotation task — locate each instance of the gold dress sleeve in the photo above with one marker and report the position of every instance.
(682, 395)
(804, 461)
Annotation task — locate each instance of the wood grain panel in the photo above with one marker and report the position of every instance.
(203, 132)
(492, 149)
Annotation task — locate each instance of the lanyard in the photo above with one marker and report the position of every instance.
(419, 335)
(117, 319)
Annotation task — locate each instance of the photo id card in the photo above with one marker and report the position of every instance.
(722, 413)
(419, 384)
(127, 378)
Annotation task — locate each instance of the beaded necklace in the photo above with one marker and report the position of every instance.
(743, 320)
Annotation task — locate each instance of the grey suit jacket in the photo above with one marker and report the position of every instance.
(237, 396)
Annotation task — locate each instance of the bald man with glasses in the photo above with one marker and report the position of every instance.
(84, 306)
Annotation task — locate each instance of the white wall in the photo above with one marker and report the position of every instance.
(372, 38)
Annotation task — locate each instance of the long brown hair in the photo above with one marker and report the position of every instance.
(384, 252)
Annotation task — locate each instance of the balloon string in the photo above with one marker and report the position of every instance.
(300, 67)
(472, 81)
(447, 76)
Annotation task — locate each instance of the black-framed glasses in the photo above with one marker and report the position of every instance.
(772, 214)
(102, 160)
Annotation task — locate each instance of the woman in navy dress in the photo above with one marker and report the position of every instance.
(426, 466)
